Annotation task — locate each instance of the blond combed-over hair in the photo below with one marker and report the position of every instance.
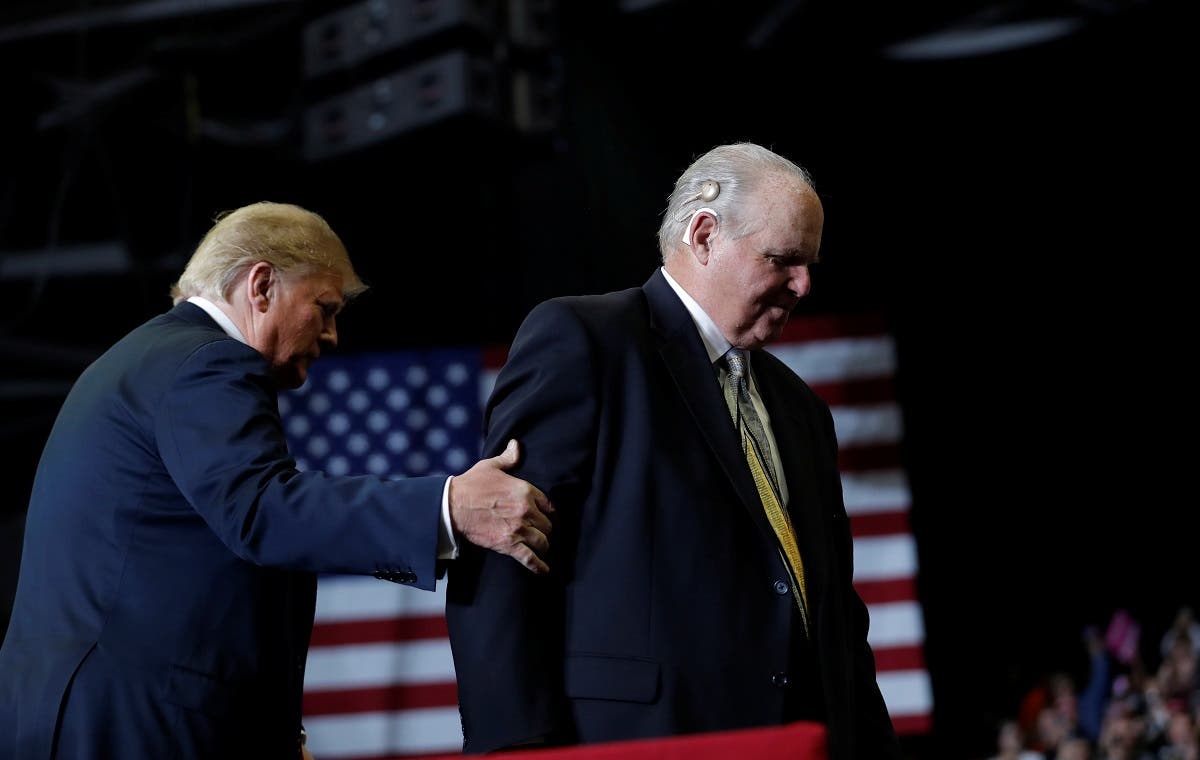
(294, 240)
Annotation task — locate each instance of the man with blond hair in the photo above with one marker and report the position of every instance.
(168, 579)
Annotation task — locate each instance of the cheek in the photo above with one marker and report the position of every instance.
(761, 291)
(311, 331)
(300, 337)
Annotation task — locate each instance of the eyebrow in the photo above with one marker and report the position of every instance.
(793, 254)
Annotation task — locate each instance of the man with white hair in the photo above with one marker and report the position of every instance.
(168, 580)
(702, 558)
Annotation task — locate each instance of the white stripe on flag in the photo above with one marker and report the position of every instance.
(895, 624)
(906, 692)
(357, 666)
(420, 731)
(352, 597)
(878, 558)
(842, 359)
(867, 424)
(875, 491)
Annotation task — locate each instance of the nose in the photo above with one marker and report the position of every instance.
(329, 334)
(800, 281)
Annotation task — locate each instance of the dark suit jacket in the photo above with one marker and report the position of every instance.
(666, 610)
(166, 590)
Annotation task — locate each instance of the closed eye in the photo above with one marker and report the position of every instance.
(790, 259)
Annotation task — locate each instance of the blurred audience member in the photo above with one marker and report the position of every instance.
(1177, 674)
(1182, 740)
(1010, 744)
(1157, 710)
(1123, 736)
(1053, 728)
(1185, 624)
(1075, 748)
(1064, 701)
(1051, 701)
(1094, 698)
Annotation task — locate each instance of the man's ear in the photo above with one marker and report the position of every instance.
(701, 231)
(262, 285)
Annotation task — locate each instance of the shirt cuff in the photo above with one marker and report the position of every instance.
(447, 546)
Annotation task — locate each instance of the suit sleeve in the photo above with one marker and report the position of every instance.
(874, 735)
(219, 435)
(506, 624)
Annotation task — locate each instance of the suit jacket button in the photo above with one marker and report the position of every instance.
(781, 587)
(781, 680)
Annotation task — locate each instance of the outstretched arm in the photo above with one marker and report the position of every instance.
(220, 437)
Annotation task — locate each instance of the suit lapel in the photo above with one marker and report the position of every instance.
(794, 440)
(682, 350)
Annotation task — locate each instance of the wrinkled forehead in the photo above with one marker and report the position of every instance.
(788, 208)
(782, 192)
(319, 281)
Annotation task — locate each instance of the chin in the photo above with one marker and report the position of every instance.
(770, 333)
(290, 378)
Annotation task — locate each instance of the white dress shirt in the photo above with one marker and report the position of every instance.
(716, 344)
(447, 545)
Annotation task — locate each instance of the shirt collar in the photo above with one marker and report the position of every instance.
(714, 342)
(221, 318)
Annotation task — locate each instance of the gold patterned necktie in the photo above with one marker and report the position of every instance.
(757, 449)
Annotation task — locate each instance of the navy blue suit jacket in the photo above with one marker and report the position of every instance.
(167, 584)
(666, 610)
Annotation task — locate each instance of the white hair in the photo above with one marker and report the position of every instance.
(737, 168)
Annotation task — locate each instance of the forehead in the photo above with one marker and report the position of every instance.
(789, 213)
(786, 193)
(323, 283)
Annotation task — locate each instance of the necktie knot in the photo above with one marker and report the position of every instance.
(735, 359)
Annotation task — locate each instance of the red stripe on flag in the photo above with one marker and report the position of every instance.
(442, 756)
(883, 456)
(833, 326)
(899, 658)
(494, 357)
(882, 592)
(908, 725)
(380, 699)
(871, 390)
(879, 524)
(376, 631)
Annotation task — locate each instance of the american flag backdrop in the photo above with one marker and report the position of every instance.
(380, 678)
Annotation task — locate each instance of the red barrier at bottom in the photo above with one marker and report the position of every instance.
(796, 741)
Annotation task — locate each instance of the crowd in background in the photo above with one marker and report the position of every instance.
(1128, 707)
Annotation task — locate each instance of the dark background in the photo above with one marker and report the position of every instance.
(1017, 213)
